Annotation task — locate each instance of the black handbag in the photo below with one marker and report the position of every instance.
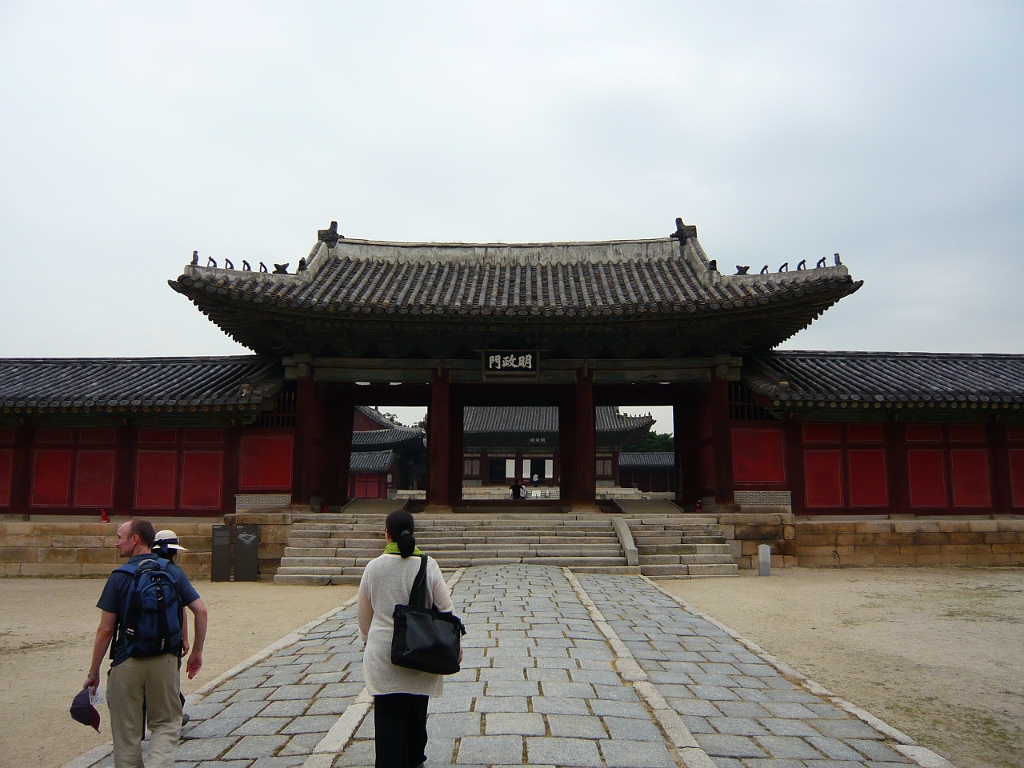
(425, 638)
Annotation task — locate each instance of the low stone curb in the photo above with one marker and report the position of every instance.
(923, 756)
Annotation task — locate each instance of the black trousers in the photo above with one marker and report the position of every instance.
(400, 724)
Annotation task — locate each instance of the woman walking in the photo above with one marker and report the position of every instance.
(400, 695)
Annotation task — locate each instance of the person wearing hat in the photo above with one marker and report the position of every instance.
(132, 680)
(166, 545)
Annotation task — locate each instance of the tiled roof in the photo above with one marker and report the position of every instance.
(651, 460)
(148, 381)
(377, 438)
(543, 419)
(371, 461)
(886, 377)
(377, 417)
(621, 277)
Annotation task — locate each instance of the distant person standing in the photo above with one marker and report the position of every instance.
(517, 489)
(144, 662)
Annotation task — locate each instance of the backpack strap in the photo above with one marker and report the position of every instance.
(418, 593)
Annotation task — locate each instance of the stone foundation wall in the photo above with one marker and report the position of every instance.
(87, 549)
(745, 531)
(963, 541)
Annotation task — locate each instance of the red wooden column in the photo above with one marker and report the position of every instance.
(721, 438)
(567, 477)
(309, 438)
(794, 438)
(586, 441)
(455, 442)
(232, 455)
(1002, 492)
(686, 441)
(21, 469)
(438, 432)
(897, 467)
(340, 418)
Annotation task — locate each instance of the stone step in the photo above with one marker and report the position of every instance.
(683, 549)
(685, 559)
(693, 571)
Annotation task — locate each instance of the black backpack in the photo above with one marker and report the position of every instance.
(150, 610)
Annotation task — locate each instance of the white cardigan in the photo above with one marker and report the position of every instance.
(386, 582)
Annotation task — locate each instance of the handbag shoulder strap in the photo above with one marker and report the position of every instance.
(418, 593)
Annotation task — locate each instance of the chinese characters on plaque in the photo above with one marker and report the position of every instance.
(507, 362)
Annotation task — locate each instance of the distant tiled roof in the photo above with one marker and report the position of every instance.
(652, 460)
(378, 438)
(371, 461)
(886, 376)
(148, 381)
(543, 419)
(377, 417)
(619, 277)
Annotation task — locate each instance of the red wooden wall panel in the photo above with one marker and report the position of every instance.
(1015, 431)
(50, 435)
(971, 486)
(202, 475)
(155, 479)
(823, 478)
(368, 487)
(265, 463)
(149, 435)
(924, 433)
(94, 478)
(6, 434)
(821, 433)
(868, 486)
(967, 433)
(927, 478)
(864, 433)
(758, 456)
(97, 435)
(1017, 476)
(6, 466)
(204, 436)
(51, 478)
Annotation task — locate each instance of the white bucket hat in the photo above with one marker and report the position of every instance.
(167, 540)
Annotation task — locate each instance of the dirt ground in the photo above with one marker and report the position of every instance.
(47, 628)
(935, 652)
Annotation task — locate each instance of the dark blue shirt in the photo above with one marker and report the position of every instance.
(114, 592)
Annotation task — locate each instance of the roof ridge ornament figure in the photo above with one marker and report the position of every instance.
(820, 264)
(263, 267)
(228, 264)
(802, 265)
(764, 270)
(245, 266)
(330, 235)
(742, 270)
(839, 261)
(281, 269)
(683, 231)
(211, 262)
(301, 267)
(195, 258)
(784, 267)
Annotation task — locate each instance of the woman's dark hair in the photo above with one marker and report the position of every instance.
(400, 525)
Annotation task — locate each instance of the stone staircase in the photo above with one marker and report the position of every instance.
(333, 548)
(680, 545)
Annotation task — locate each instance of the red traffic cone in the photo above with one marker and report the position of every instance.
(103, 516)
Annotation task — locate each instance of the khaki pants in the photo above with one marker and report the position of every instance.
(156, 682)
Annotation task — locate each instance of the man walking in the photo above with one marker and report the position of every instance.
(138, 679)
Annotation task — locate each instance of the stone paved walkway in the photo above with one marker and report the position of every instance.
(559, 670)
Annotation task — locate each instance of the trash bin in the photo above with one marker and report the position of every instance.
(247, 545)
(220, 563)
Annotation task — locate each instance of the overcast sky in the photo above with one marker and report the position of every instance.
(132, 134)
